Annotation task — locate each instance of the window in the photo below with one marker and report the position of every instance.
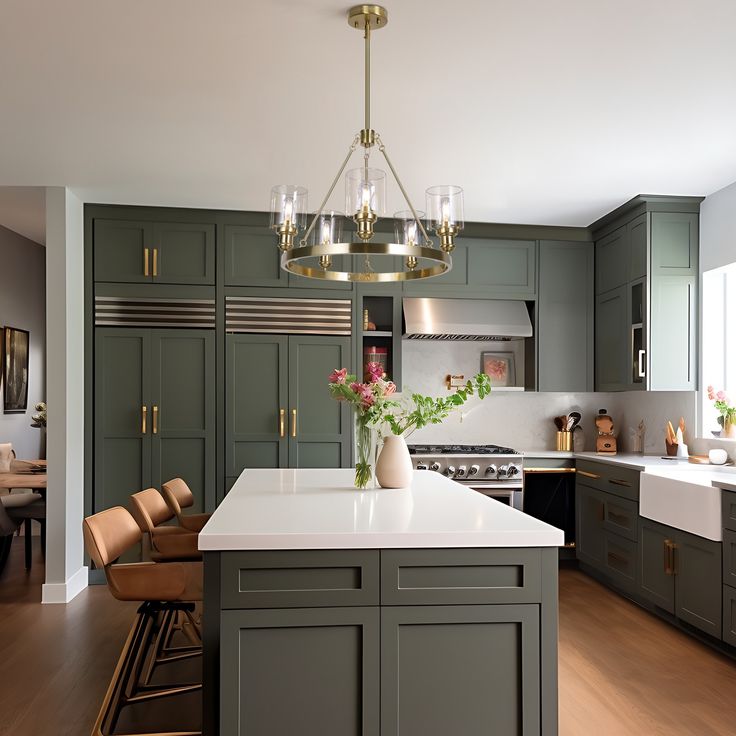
(719, 340)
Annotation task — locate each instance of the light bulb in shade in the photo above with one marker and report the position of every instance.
(445, 210)
(411, 233)
(288, 210)
(326, 234)
(366, 194)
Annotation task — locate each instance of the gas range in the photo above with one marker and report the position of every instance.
(489, 469)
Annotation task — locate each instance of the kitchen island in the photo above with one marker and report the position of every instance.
(429, 610)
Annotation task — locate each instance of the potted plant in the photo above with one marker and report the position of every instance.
(727, 418)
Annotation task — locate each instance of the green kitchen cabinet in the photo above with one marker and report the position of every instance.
(279, 412)
(252, 258)
(565, 328)
(130, 251)
(448, 284)
(503, 268)
(681, 573)
(637, 234)
(589, 514)
(154, 412)
(729, 615)
(311, 671)
(611, 340)
(612, 260)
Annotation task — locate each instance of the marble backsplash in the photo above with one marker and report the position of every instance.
(524, 420)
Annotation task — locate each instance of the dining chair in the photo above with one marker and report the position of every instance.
(23, 508)
(7, 529)
(166, 542)
(179, 496)
(164, 590)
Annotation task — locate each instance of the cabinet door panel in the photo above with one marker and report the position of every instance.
(122, 388)
(675, 243)
(589, 510)
(322, 425)
(698, 582)
(503, 267)
(655, 584)
(621, 561)
(256, 389)
(470, 670)
(565, 333)
(638, 242)
(251, 257)
(729, 615)
(185, 253)
(183, 389)
(119, 250)
(448, 282)
(321, 665)
(611, 341)
(729, 557)
(612, 260)
(673, 334)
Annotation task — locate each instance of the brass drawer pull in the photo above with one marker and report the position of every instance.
(669, 567)
(282, 423)
(145, 262)
(155, 420)
(155, 261)
(144, 413)
(293, 422)
(613, 557)
(535, 471)
(616, 482)
(586, 474)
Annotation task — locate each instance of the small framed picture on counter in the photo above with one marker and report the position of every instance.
(499, 367)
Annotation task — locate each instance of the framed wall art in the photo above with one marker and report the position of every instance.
(16, 345)
(499, 367)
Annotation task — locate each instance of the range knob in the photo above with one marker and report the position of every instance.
(492, 471)
(422, 466)
(435, 466)
(474, 470)
(462, 471)
(450, 472)
(513, 470)
(503, 472)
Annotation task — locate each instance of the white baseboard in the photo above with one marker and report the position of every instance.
(64, 592)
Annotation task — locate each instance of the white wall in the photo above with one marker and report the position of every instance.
(524, 420)
(718, 229)
(66, 574)
(23, 305)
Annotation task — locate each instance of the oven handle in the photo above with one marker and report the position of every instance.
(539, 471)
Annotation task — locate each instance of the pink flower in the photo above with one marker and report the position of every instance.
(721, 396)
(355, 386)
(389, 388)
(338, 375)
(365, 393)
(709, 389)
(711, 395)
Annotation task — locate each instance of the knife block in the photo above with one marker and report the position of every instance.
(605, 442)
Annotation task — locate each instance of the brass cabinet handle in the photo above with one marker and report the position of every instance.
(617, 482)
(145, 261)
(673, 558)
(586, 474)
(282, 423)
(602, 511)
(668, 567)
(155, 261)
(293, 422)
(144, 413)
(536, 471)
(155, 420)
(613, 557)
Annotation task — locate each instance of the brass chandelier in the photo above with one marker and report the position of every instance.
(321, 250)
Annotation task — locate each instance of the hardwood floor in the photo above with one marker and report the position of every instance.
(623, 672)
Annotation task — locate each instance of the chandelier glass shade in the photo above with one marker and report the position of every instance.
(321, 251)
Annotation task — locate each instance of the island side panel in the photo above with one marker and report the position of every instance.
(549, 627)
(211, 645)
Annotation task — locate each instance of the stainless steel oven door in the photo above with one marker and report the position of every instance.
(508, 492)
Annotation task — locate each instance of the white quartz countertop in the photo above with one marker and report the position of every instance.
(633, 460)
(726, 485)
(320, 509)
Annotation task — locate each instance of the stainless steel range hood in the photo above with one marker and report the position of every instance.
(465, 319)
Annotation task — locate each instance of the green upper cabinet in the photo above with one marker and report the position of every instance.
(646, 297)
(612, 260)
(565, 322)
(252, 258)
(503, 267)
(130, 251)
(448, 283)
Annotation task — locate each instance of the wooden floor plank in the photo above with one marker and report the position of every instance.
(623, 672)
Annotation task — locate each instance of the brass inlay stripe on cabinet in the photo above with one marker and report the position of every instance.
(151, 312)
(288, 316)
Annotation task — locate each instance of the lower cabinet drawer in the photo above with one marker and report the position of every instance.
(303, 579)
(620, 561)
(729, 615)
(621, 517)
(611, 478)
(460, 576)
(729, 557)
(728, 499)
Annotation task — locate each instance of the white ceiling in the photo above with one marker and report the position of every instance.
(23, 210)
(545, 112)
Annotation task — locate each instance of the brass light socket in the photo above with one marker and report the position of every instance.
(367, 137)
(447, 235)
(364, 219)
(286, 232)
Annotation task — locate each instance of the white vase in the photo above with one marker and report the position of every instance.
(393, 468)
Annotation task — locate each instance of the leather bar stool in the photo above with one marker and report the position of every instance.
(179, 496)
(23, 508)
(166, 542)
(163, 590)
